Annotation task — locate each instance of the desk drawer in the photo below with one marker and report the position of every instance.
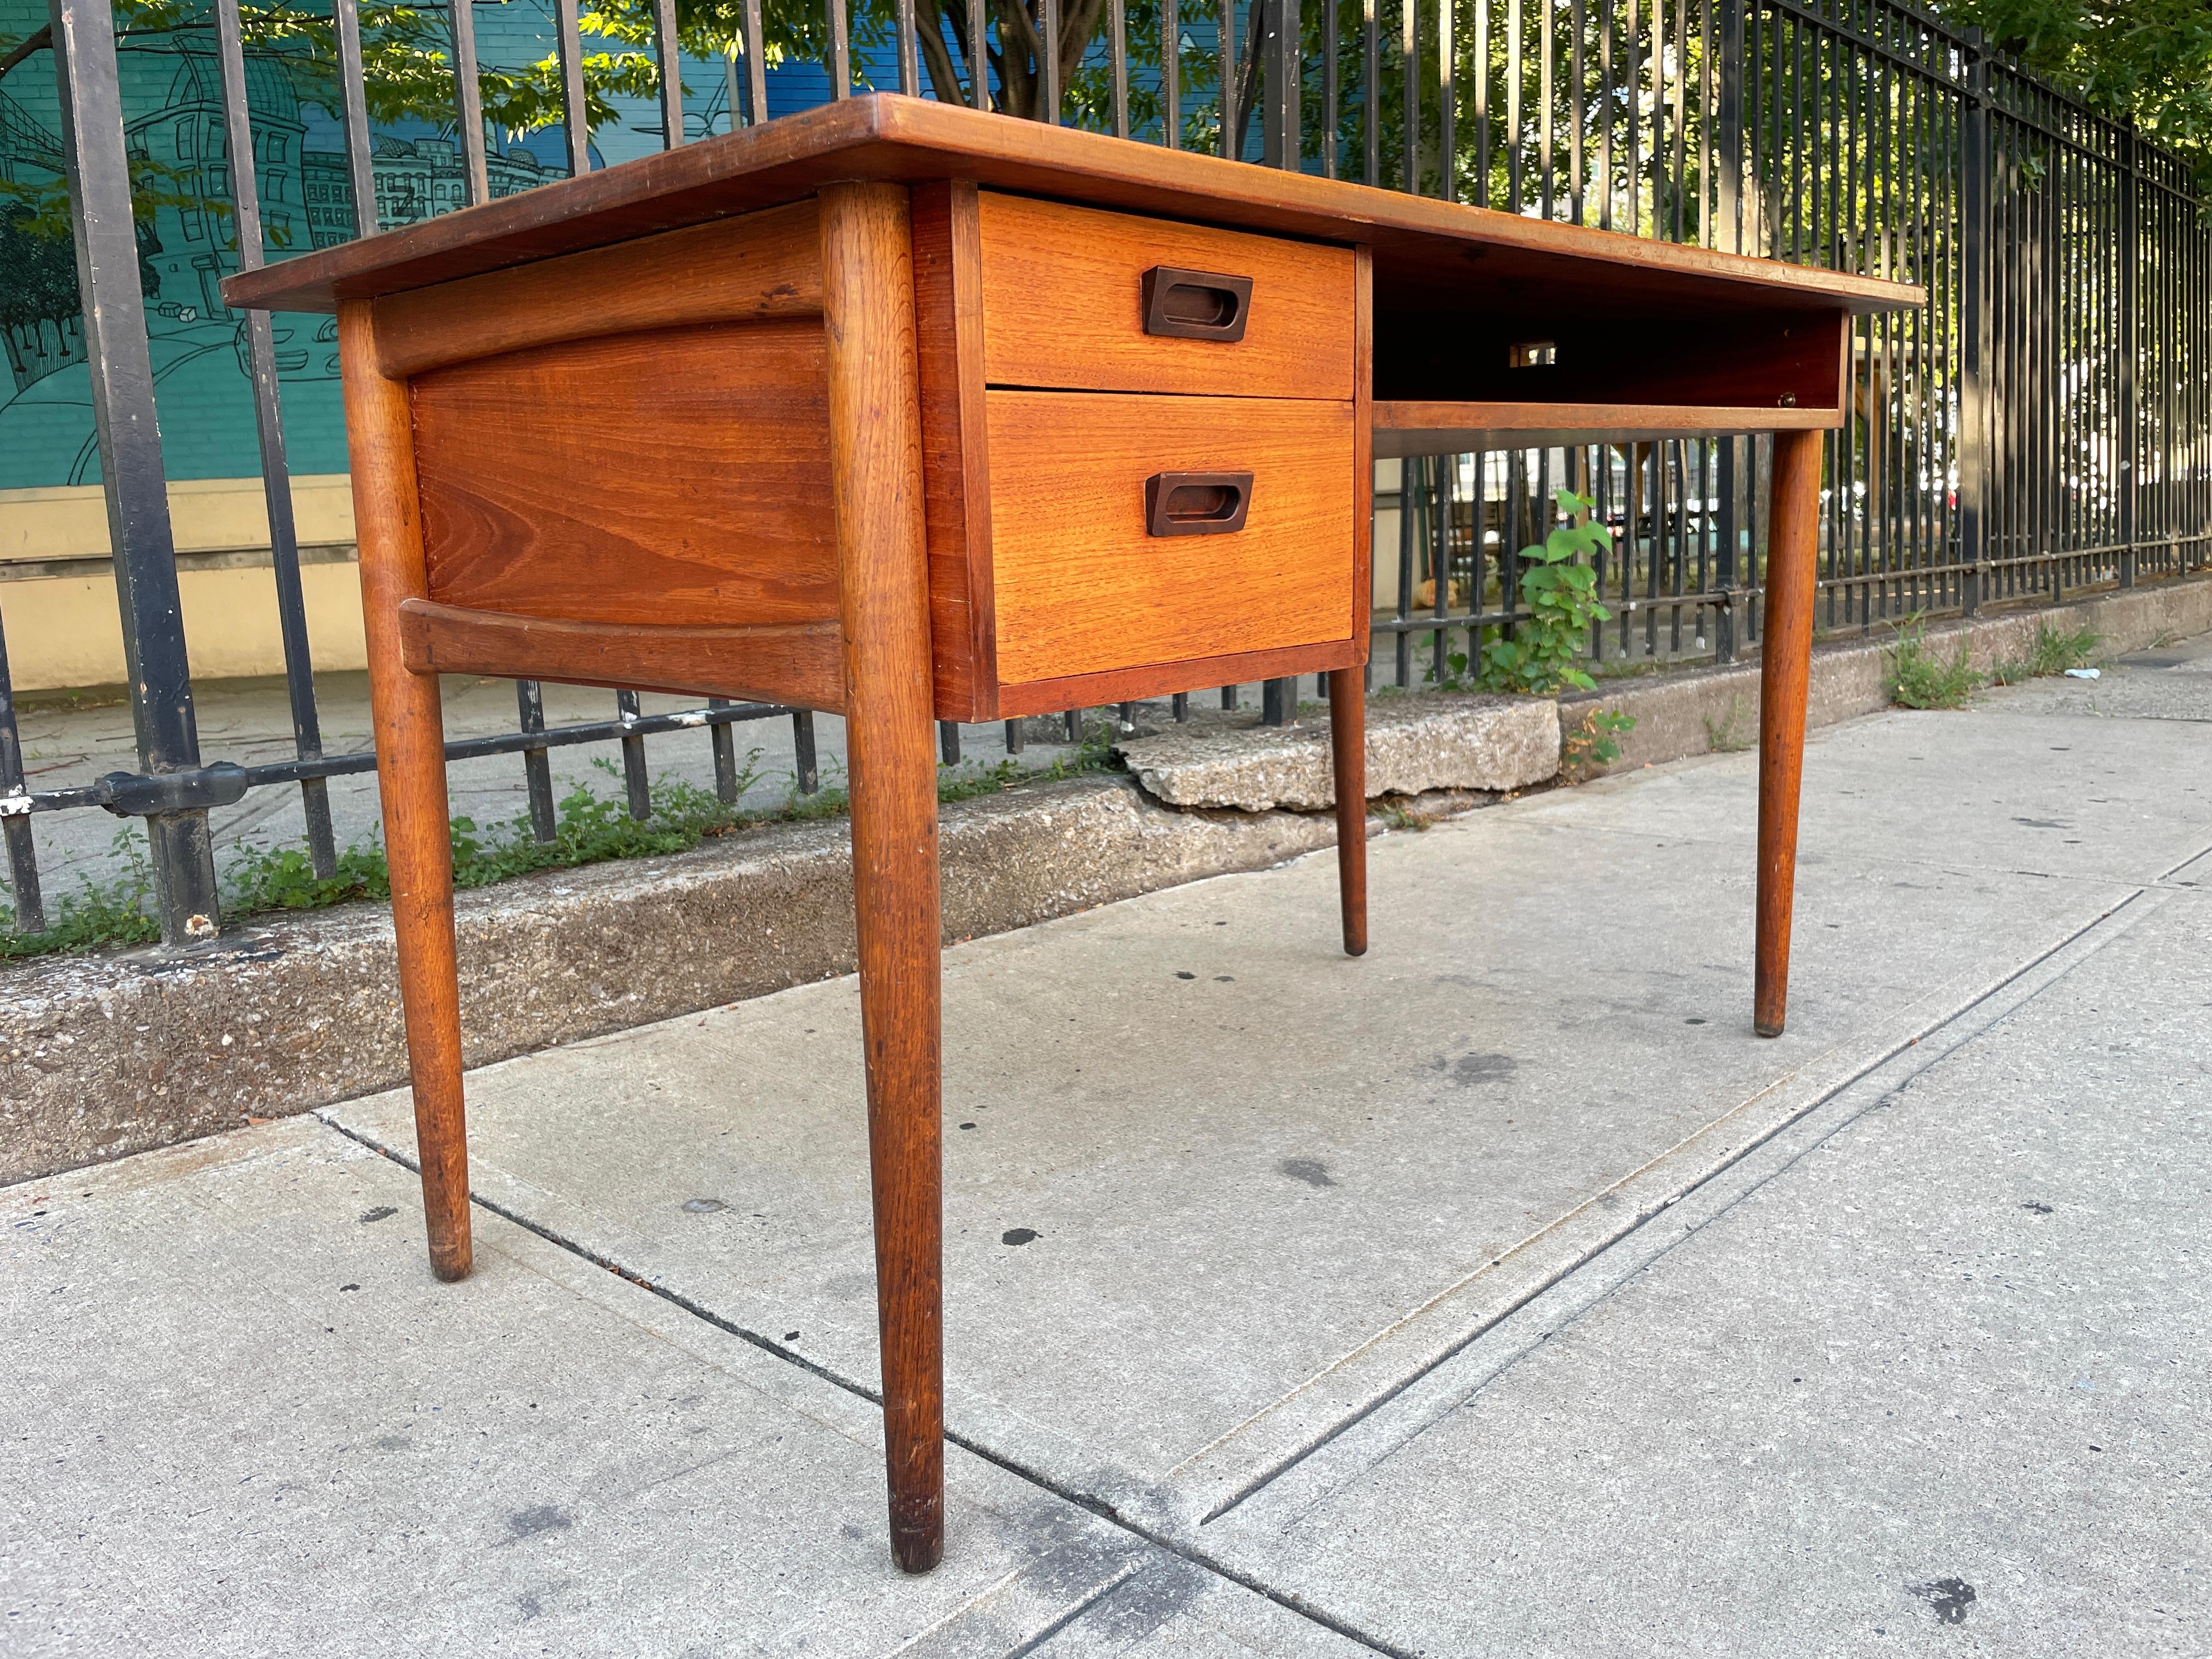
(1065, 304)
(1081, 583)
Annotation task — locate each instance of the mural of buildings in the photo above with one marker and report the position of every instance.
(172, 105)
(416, 178)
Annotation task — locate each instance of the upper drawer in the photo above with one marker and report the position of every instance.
(1065, 306)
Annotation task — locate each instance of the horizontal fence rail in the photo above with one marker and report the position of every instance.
(2043, 424)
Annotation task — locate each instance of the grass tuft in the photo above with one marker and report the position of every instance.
(2053, 651)
(1918, 678)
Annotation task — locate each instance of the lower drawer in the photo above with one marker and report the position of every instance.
(1082, 585)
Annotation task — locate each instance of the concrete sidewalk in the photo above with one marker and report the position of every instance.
(1496, 1294)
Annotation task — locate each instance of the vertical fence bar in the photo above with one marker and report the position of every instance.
(121, 367)
(1974, 332)
(353, 114)
(269, 432)
(1280, 49)
(537, 769)
(1117, 24)
(1048, 86)
(1371, 90)
(15, 813)
(1278, 67)
(804, 762)
(909, 69)
(576, 109)
(756, 61)
(979, 54)
(2128, 444)
(668, 63)
(627, 709)
(724, 742)
(1225, 62)
(468, 102)
(1331, 94)
(1409, 71)
(841, 51)
(1170, 74)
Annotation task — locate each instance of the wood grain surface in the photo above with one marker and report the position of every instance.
(795, 663)
(1160, 679)
(1421, 244)
(680, 477)
(765, 264)
(1785, 668)
(1363, 453)
(410, 766)
(1063, 291)
(875, 424)
(1081, 587)
(1347, 745)
(948, 314)
(1433, 429)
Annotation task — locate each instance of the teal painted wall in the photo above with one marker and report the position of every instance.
(173, 116)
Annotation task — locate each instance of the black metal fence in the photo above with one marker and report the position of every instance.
(2044, 424)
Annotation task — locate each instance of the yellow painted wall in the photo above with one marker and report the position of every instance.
(63, 630)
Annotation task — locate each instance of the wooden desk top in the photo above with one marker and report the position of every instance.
(1426, 252)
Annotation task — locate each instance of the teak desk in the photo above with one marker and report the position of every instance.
(1096, 422)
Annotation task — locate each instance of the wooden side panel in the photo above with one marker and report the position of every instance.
(948, 314)
(795, 663)
(1363, 469)
(1063, 290)
(765, 265)
(1083, 589)
(680, 477)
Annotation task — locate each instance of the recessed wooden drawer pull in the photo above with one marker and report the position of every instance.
(1195, 304)
(1196, 503)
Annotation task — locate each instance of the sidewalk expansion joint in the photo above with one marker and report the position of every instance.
(1580, 1289)
(1924, 1048)
(1159, 1539)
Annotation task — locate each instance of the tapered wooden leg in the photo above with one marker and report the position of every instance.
(1785, 667)
(1347, 742)
(410, 765)
(875, 445)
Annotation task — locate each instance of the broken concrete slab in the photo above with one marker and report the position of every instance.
(1450, 740)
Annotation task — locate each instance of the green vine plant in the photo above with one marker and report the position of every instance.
(1543, 655)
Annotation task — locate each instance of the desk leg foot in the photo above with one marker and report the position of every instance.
(875, 491)
(1785, 667)
(1348, 738)
(410, 765)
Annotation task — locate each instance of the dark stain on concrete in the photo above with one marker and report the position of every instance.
(544, 1517)
(1468, 1070)
(1018, 1235)
(378, 1214)
(1311, 1171)
(1950, 1597)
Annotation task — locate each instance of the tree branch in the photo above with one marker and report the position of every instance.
(32, 44)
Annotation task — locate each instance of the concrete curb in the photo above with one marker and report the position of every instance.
(1414, 744)
(1708, 709)
(113, 1054)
